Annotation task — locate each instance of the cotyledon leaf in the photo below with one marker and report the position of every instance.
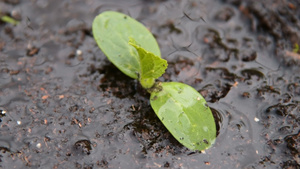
(151, 66)
(112, 30)
(185, 114)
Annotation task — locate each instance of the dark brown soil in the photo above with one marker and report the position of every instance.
(64, 105)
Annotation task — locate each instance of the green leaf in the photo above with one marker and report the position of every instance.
(185, 114)
(151, 66)
(112, 30)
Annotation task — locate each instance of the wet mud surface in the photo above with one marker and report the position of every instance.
(64, 105)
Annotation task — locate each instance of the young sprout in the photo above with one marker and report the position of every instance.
(131, 47)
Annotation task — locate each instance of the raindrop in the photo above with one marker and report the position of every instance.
(205, 128)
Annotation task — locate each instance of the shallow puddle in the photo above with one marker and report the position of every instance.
(64, 105)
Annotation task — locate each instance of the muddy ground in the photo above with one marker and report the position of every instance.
(64, 105)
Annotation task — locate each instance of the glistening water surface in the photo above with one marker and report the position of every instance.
(64, 105)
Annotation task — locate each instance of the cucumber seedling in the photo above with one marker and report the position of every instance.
(131, 47)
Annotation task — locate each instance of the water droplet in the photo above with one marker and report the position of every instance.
(180, 90)
(205, 128)
(19, 122)
(181, 138)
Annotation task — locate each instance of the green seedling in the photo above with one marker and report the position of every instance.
(296, 48)
(7, 19)
(131, 47)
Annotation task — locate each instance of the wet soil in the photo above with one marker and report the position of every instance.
(64, 105)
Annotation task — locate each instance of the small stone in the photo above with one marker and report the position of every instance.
(78, 52)
(3, 112)
(32, 50)
(207, 163)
